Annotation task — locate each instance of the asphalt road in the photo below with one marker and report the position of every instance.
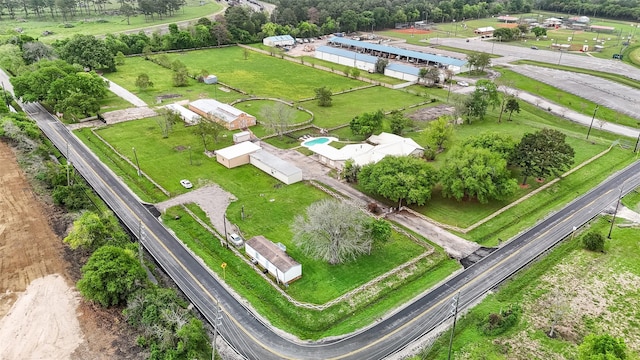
(256, 340)
(513, 53)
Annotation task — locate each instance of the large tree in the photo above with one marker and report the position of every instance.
(92, 230)
(543, 153)
(484, 96)
(206, 130)
(500, 143)
(399, 178)
(110, 275)
(333, 231)
(367, 123)
(277, 118)
(87, 51)
(476, 173)
(439, 132)
(323, 94)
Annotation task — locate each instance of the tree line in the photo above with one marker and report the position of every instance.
(627, 10)
(68, 9)
(366, 15)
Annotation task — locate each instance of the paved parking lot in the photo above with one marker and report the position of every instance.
(613, 95)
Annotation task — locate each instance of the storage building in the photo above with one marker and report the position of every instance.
(280, 40)
(189, 117)
(224, 114)
(276, 167)
(211, 79)
(348, 58)
(402, 72)
(273, 258)
(236, 155)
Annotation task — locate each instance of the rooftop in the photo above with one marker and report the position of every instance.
(272, 253)
(276, 163)
(405, 69)
(280, 38)
(399, 52)
(220, 110)
(243, 148)
(348, 54)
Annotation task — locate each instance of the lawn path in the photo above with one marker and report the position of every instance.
(125, 94)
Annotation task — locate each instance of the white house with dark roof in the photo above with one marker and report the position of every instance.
(273, 258)
(224, 114)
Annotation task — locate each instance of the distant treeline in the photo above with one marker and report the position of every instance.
(615, 9)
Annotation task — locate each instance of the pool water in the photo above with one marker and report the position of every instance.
(316, 141)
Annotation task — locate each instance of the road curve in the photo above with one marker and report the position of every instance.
(256, 340)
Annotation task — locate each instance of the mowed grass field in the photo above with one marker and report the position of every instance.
(162, 79)
(595, 292)
(269, 209)
(263, 75)
(88, 24)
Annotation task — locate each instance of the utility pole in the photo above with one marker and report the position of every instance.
(140, 242)
(226, 239)
(190, 159)
(635, 148)
(615, 212)
(592, 118)
(135, 154)
(217, 321)
(454, 313)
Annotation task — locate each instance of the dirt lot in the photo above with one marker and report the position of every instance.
(41, 314)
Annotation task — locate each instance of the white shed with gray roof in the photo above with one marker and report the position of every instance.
(276, 167)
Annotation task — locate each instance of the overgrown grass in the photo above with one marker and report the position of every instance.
(538, 280)
(565, 99)
(632, 200)
(263, 75)
(338, 319)
(139, 185)
(89, 25)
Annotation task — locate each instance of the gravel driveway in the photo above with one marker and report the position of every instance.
(210, 198)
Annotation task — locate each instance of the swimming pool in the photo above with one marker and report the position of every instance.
(317, 141)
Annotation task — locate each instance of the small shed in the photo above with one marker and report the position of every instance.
(279, 40)
(236, 155)
(211, 79)
(276, 167)
(241, 136)
(273, 259)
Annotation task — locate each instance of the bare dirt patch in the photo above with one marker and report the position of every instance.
(45, 318)
(431, 113)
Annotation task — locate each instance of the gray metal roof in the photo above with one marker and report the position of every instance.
(220, 110)
(399, 52)
(405, 69)
(280, 38)
(348, 54)
(275, 163)
(272, 253)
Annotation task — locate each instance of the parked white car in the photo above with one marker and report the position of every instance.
(236, 239)
(186, 183)
(463, 83)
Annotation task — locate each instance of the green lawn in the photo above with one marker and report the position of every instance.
(254, 107)
(565, 99)
(346, 106)
(309, 324)
(163, 83)
(263, 75)
(113, 102)
(88, 25)
(590, 284)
